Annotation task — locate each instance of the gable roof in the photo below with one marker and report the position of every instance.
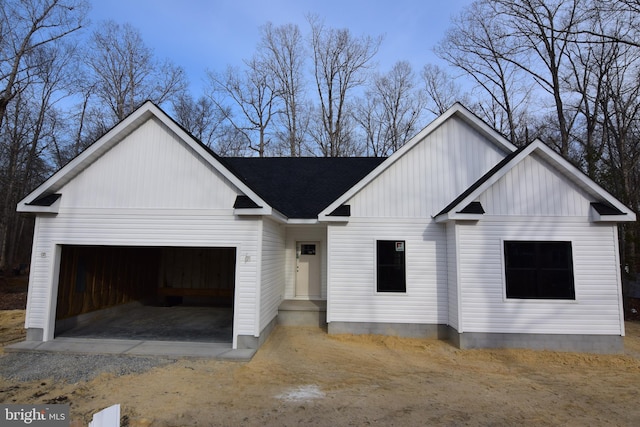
(457, 110)
(310, 188)
(120, 131)
(615, 210)
(300, 187)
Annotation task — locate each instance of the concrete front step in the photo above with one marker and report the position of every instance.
(303, 313)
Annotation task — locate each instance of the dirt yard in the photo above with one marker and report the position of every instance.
(301, 376)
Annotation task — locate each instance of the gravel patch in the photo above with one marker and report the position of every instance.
(24, 367)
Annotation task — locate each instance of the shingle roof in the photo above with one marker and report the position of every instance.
(300, 187)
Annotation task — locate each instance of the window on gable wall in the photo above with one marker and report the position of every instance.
(539, 270)
(390, 266)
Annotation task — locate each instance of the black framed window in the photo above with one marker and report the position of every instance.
(390, 266)
(308, 249)
(539, 270)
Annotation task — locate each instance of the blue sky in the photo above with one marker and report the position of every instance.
(211, 34)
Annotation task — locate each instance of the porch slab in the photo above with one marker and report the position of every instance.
(303, 313)
(303, 305)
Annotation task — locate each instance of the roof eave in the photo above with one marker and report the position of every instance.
(332, 218)
(302, 221)
(252, 211)
(458, 216)
(25, 208)
(595, 216)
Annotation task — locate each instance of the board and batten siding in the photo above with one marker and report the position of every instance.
(430, 175)
(150, 168)
(272, 277)
(534, 188)
(150, 189)
(352, 272)
(484, 306)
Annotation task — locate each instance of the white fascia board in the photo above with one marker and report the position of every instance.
(457, 216)
(457, 109)
(333, 218)
(441, 219)
(301, 221)
(598, 217)
(612, 218)
(53, 209)
(252, 211)
(268, 211)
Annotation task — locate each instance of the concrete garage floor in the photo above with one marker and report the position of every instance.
(178, 331)
(176, 323)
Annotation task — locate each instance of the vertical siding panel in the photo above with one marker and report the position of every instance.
(429, 176)
(533, 188)
(152, 168)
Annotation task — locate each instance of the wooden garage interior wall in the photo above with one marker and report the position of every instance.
(97, 277)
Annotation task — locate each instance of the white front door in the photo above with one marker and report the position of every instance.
(308, 270)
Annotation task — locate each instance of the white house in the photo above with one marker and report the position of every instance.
(457, 235)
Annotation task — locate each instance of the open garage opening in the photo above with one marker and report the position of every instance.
(146, 293)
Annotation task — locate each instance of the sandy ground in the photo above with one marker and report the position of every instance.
(302, 376)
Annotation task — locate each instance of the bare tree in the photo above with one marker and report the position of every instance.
(478, 44)
(538, 31)
(30, 128)
(621, 122)
(201, 118)
(125, 73)
(340, 61)
(231, 142)
(621, 136)
(441, 90)
(248, 102)
(282, 51)
(367, 114)
(25, 27)
(618, 14)
(391, 109)
(591, 67)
